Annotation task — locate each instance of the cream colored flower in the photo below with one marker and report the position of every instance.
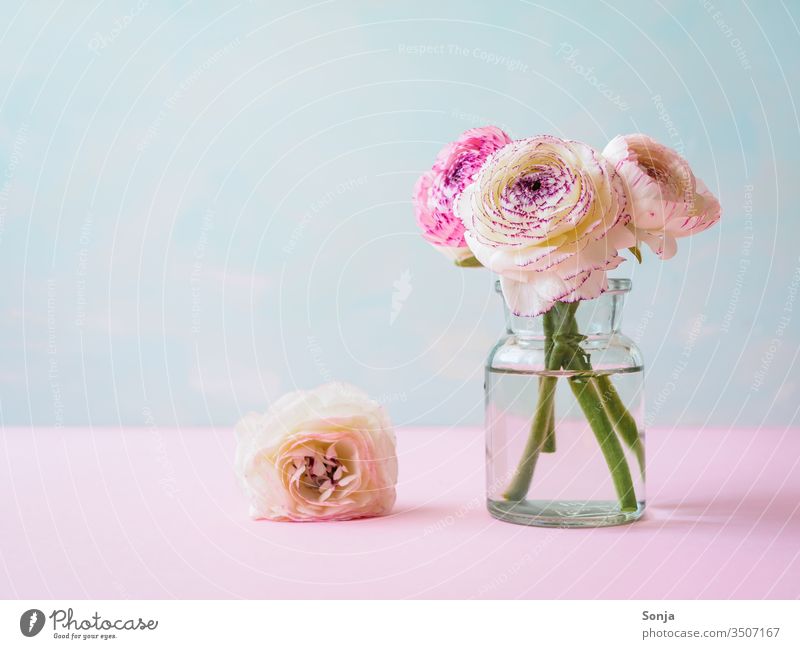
(324, 454)
(547, 215)
(665, 200)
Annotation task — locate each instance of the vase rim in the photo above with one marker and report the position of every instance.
(619, 285)
(615, 285)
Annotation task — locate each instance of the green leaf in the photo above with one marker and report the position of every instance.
(634, 250)
(469, 262)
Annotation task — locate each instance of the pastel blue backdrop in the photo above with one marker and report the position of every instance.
(204, 204)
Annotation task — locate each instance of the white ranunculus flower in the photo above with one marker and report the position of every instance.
(319, 455)
(547, 215)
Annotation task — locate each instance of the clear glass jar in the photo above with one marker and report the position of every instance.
(564, 413)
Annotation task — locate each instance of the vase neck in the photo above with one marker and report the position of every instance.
(601, 316)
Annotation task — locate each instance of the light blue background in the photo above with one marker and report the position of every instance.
(205, 205)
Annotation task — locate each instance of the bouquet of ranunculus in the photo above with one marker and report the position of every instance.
(550, 217)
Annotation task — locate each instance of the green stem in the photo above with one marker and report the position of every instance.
(591, 400)
(542, 432)
(521, 482)
(622, 420)
(598, 399)
(547, 384)
(584, 390)
(558, 323)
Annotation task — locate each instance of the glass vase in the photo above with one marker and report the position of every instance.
(564, 412)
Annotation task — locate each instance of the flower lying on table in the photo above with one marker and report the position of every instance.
(321, 455)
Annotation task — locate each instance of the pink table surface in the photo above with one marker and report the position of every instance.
(141, 514)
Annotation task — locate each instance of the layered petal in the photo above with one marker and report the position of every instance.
(436, 190)
(665, 199)
(324, 454)
(548, 215)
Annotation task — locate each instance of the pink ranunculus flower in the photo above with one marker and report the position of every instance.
(665, 200)
(547, 215)
(436, 190)
(326, 454)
